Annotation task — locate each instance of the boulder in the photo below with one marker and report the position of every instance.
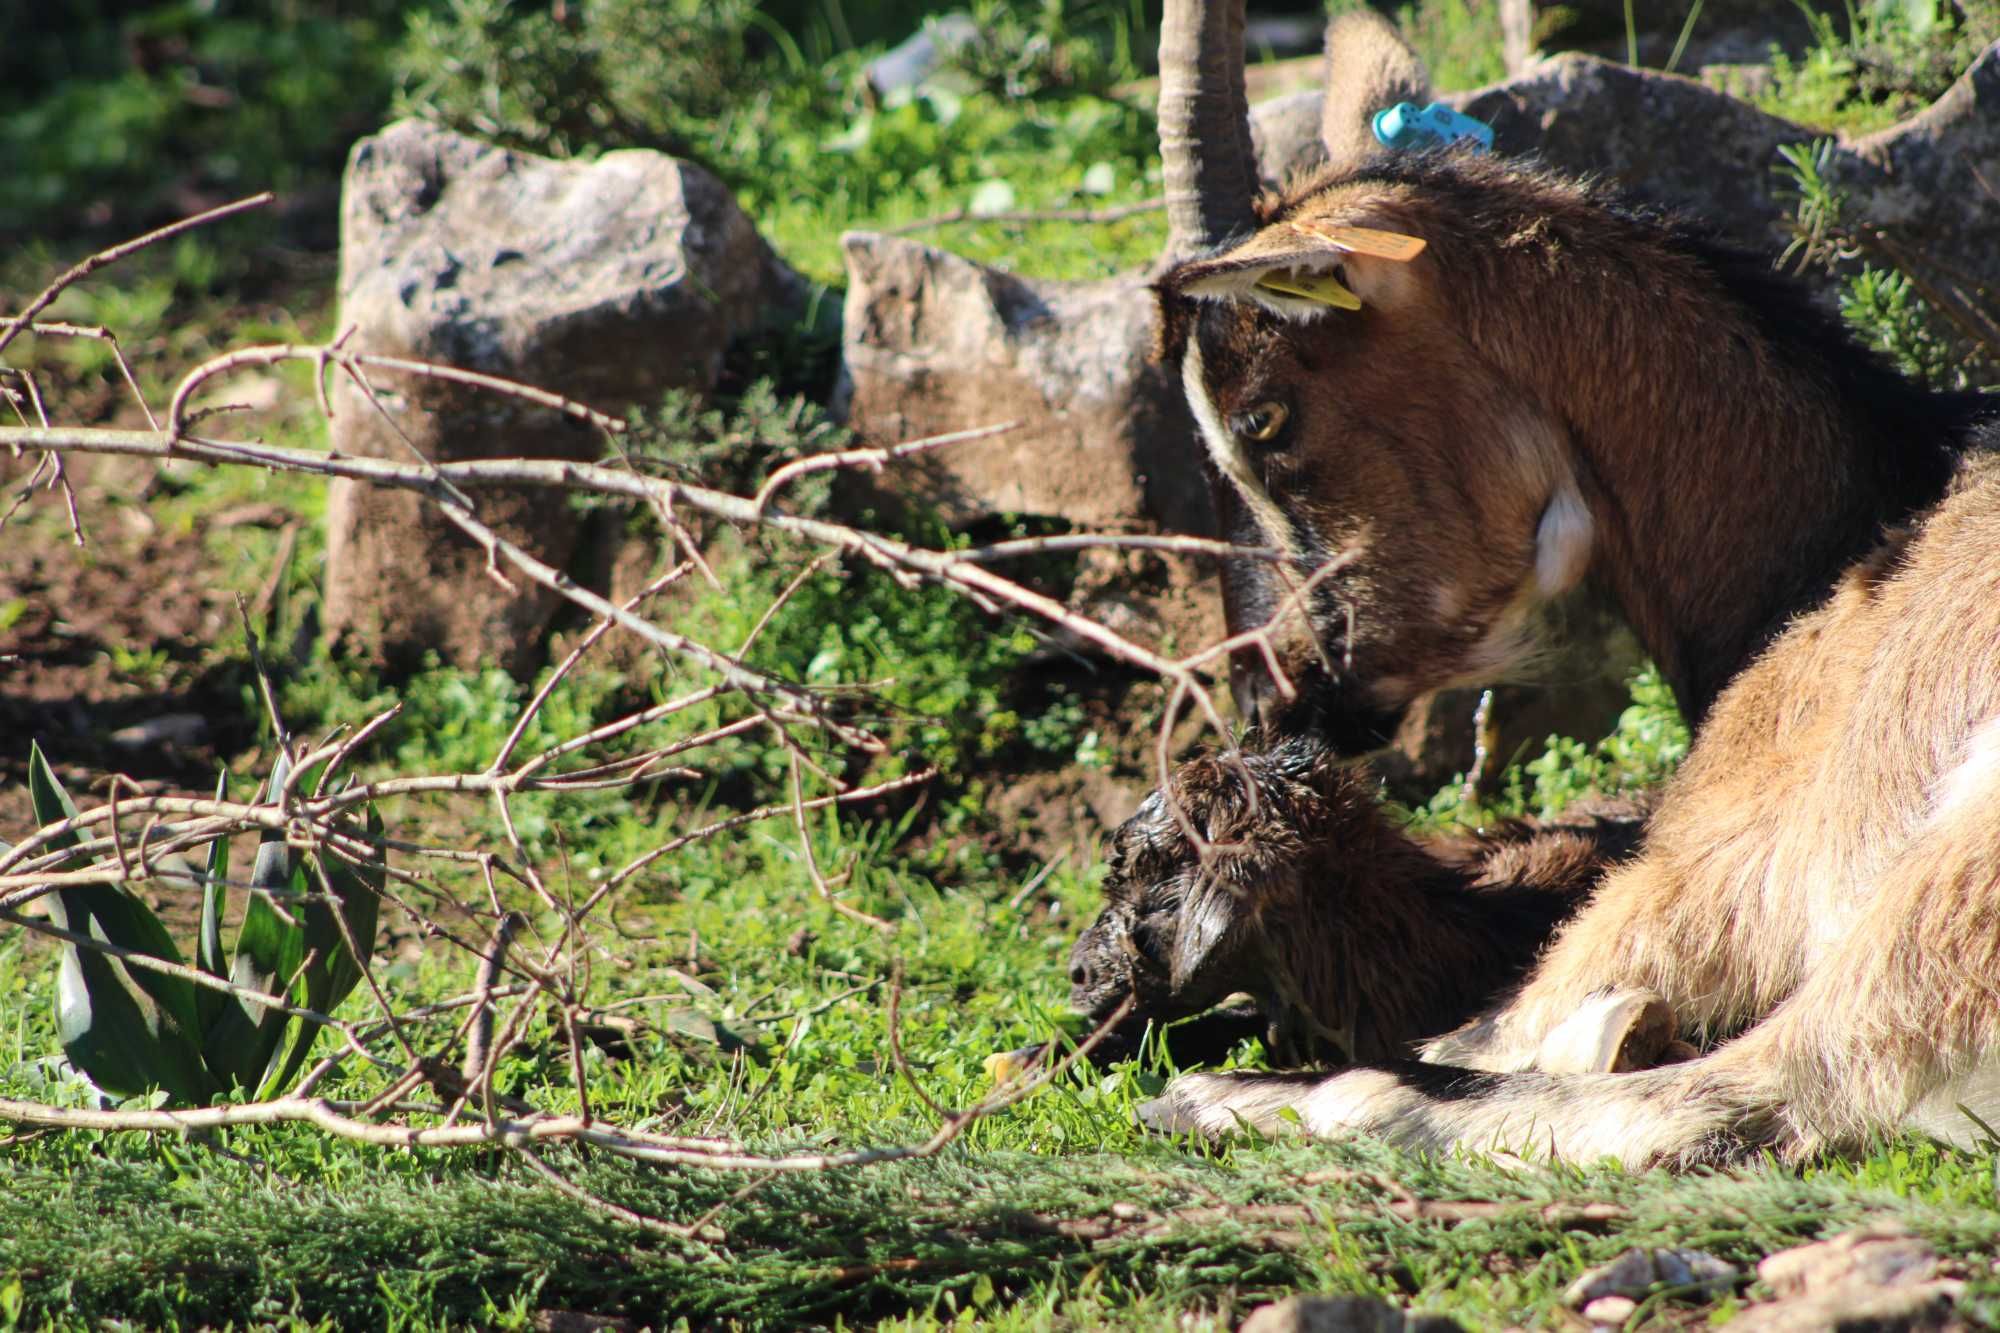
(609, 281)
(1676, 142)
(934, 343)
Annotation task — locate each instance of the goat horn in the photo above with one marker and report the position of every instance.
(1210, 168)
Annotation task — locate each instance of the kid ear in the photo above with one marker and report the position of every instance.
(1205, 922)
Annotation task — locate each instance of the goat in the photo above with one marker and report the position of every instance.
(1539, 388)
(1274, 871)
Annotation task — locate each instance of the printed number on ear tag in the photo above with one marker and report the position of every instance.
(1390, 245)
(1321, 287)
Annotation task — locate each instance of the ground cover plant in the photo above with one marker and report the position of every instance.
(738, 990)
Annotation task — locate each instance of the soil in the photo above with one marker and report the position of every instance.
(105, 656)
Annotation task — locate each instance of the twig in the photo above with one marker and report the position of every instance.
(1115, 213)
(11, 328)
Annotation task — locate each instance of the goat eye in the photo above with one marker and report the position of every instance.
(1262, 423)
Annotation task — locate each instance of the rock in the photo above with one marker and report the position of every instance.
(608, 281)
(1610, 1309)
(1675, 142)
(1638, 1273)
(934, 343)
(1342, 1314)
(937, 343)
(1878, 1278)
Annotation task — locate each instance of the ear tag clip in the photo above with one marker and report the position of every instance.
(1321, 287)
(1407, 126)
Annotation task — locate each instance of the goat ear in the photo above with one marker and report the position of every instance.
(1205, 922)
(1301, 269)
(1369, 66)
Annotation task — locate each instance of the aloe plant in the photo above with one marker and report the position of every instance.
(132, 1029)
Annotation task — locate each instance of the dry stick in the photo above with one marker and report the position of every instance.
(338, 911)
(778, 603)
(563, 668)
(946, 567)
(693, 1230)
(644, 859)
(1019, 547)
(11, 328)
(896, 557)
(339, 1119)
(562, 1184)
(1115, 213)
(510, 1037)
(872, 459)
(58, 475)
(896, 1044)
(820, 885)
(109, 339)
(331, 1062)
(1036, 881)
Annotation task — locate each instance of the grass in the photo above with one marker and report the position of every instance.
(287, 1227)
(763, 1010)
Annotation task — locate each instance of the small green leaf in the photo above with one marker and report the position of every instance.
(354, 892)
(269, 947)
(214, 902)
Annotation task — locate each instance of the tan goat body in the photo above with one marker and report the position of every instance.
(1562, 393)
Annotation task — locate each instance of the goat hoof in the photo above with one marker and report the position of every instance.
(1613, 1033)
(1677, 1052)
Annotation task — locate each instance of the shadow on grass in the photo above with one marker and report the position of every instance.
(169, 1235)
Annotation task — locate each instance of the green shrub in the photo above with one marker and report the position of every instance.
(1895, 57)
(133, 1030)
(110, 115)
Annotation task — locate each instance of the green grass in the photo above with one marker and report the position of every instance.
(292, 1229)
(1882, 62)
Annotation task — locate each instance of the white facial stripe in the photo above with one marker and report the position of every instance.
(1229, 456)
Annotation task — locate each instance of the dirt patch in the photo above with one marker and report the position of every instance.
(106, 650)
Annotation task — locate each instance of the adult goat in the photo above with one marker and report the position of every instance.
(1479, 386)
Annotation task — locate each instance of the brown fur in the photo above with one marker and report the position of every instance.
(1275, 872)
(1563, 391)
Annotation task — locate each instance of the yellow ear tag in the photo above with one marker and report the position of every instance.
(1321, 287)
(1390, 245)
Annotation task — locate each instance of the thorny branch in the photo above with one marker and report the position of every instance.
(525, 965)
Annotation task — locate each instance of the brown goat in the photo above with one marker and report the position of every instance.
(1275, 872)
(1558, 391)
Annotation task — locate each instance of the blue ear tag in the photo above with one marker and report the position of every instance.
(1404, 126)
